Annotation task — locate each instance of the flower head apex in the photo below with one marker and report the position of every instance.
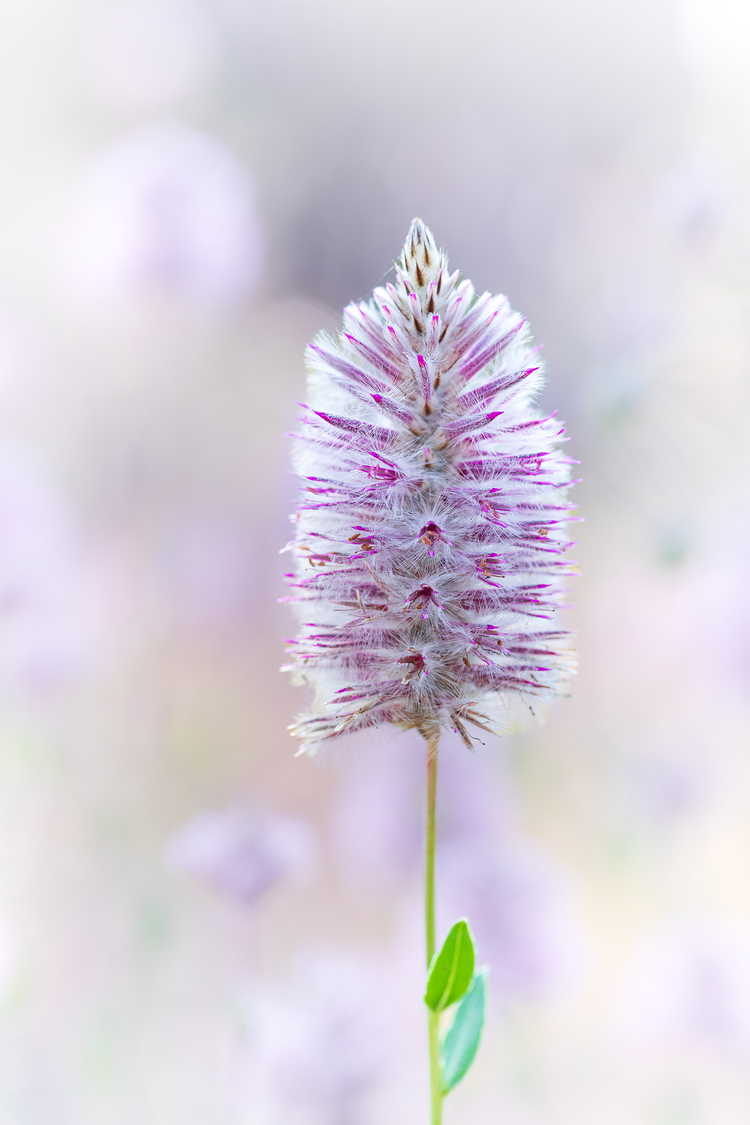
(430, 537)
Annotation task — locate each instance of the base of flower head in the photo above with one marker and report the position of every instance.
(469, 719)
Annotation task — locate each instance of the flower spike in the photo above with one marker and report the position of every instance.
(431, 528)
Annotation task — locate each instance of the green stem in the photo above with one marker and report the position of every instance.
(433, 1018)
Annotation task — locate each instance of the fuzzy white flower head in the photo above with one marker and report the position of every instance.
(430, 537)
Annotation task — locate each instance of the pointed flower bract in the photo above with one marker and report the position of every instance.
(430, 537)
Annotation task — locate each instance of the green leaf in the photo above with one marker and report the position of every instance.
(451, 970)
(462, 1040)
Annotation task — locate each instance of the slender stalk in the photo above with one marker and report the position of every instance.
(433, 1018)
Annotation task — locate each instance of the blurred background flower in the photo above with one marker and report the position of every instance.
(241, 853)
(191, 190)
(324, 1049)
(164, 208)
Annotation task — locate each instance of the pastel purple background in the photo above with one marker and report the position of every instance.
(195, 927)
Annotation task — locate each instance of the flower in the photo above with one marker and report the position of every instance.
(165, 209)
(430, 536)
(324, 1048)
(241, 853)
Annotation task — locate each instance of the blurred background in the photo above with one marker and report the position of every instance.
(195, 927)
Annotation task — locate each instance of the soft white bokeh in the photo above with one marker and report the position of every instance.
(689, 988)
(151, 53)
(53, 595)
